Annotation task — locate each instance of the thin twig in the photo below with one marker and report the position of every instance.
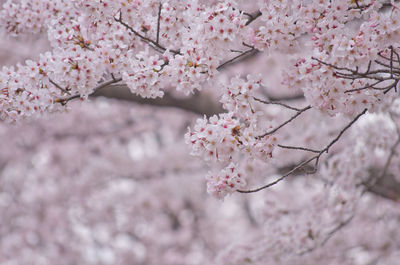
(390, 72)
(371, 182)
(59, 87)
(279, 179)
(330, 234)
(64, 101)
(316, 157)
(276, 103)
(113, 76)
(149, 41)
(326, 149)
(286, 122)
(243, 55)
(364, 87)
(299, 148)
(391, 61)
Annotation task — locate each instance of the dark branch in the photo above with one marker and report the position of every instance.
(252, 17)
(198, 103)
(158, 23)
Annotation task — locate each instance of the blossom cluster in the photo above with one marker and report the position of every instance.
(280, 26)
(225, 182)
(31, 93)
(238, 96)
(91, 39)
(144, 81)
(194, 38)
(340, 35)
(329, 93)
(231, 137)
(24, 16)
(335, 78)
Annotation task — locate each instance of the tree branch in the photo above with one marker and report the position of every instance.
(198, 104)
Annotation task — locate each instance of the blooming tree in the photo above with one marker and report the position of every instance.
(294, 132)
